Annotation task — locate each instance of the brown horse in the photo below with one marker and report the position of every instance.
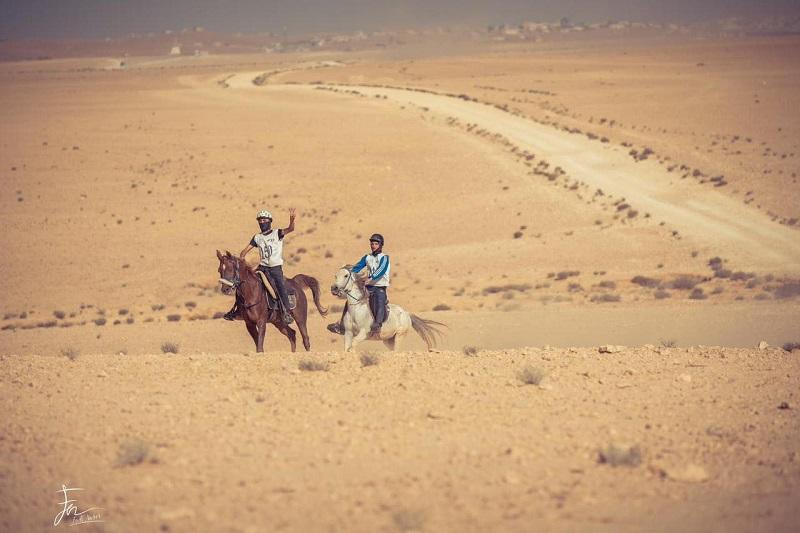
(257, 307)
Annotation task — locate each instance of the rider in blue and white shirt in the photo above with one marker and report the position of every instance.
(379, 268)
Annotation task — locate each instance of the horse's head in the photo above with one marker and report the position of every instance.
(344, 276)
(229, 278)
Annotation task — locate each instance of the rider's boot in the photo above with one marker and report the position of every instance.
(232, 314)
(287, 317)
(337, 328)
(375, 330)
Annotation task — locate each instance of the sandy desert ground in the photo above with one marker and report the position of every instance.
(541, 200)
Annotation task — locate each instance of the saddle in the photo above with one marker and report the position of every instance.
(273, 302)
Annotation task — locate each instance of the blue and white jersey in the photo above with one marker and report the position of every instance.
(378, 268)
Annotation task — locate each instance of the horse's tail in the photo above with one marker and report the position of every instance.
(313, 284)
(426, 329)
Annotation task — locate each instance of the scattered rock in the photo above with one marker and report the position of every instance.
(610, 348)
(686, 378)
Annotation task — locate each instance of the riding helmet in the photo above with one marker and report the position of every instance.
(377, 237)
(264, 214)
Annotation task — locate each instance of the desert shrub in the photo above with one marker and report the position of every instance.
(667, 343)
(441, 307)
(564, 274)
(173, 318)
(722, 273)
(684, 283)
(99, 321)
(644, 281)
(517, 234)
(190, 305)
(470, 351)
(409, 520)
(616, 455)
(123, 312)
(660, 294)
(72, 353)
(309, 365)
(494, 289)
(157, 307)
(132, 452)
(169, 347)
(59, 314)
(607, 285)
(369, 359)
(574, 287)
(605, 298)
(698, 294)
(531, 375)
(791, 346)
(788, 289)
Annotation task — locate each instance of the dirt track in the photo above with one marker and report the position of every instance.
(702, 214)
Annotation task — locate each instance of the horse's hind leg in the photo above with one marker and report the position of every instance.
(290, 333)
(397, 340)
(301, 325)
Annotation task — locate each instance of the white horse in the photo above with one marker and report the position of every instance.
(358, 319)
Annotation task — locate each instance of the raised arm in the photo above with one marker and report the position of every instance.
(290, 227)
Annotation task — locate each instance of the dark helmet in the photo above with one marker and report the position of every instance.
(377, 237)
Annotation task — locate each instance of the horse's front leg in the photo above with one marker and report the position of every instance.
(359, 338)
(262, 333)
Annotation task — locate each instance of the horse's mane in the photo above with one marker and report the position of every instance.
(361, 282)
(242, 263)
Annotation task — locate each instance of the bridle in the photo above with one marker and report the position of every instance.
(344, 290)
(236, 281)
(236, 284)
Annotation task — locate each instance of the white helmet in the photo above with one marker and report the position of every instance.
(264, 214)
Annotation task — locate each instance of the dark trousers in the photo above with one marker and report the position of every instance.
(377, 303)
(278, 282)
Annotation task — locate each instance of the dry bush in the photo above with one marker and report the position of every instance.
(73, 353)
(564, 274)
(605, 298)
(660, 294)
(791, 346)
(59, 314)
(684, 283)
(123, 312)
(607, 285)
(132, 452)
(644, 281)
(698, 294)
(309, 365)
(788, 289)
(470, 351)
(519, 287)
(369, 359)
(173, 318)
(616, 455)
(531, 375)
(169, 347)
(157, 307)
(409, 520)
(667, 343)
(99, 321)
(441, 307)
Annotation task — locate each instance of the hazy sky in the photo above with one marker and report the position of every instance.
(113, 18)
